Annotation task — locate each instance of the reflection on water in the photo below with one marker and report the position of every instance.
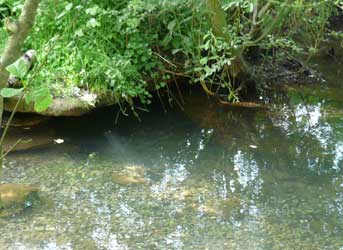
(214, 178)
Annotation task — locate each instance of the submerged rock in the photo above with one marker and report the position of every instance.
(183, 194)
(132, 175)
(208, 210)
(231, 208)
(30, 138)
(14, 198)
(187, 194)
(225, 209)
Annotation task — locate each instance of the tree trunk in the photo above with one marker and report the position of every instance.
(18, 32)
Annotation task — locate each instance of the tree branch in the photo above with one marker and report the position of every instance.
(264, 9)
(17, 37)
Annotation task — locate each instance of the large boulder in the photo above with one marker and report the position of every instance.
(82, 102)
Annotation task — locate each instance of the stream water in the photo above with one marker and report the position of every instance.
(209, 177)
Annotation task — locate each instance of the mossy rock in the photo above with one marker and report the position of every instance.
(14, 198)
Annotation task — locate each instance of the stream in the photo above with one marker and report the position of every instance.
(209, 177)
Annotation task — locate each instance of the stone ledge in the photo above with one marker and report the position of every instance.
(66, 106)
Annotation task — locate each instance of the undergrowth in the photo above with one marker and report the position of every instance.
(133, 47)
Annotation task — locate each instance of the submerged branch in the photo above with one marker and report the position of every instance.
(240, 104)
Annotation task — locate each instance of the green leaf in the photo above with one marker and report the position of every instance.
(133, 22)
(174, 51)
(171, 25)
(218, 19)
(93, 23)
(203, 61)
(79, 33)
(42, 103)
(42, 99)
(19, 68)
(29, 97)
(69, 6)
(250, 7)
(92, 11)
(10, 92)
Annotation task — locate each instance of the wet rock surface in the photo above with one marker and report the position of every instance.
(28, 138)
(14, 198)
(131, 175)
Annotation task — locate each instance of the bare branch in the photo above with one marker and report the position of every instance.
(264, 9)
(254, 18)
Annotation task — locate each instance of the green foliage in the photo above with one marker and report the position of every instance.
(10, 92)
(41, 95)
(123, 45)
(104, 46)
(19, 68)
(41, 98)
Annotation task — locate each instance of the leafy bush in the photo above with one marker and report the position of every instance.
(123, 45)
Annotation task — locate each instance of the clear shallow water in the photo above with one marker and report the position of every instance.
(215, 178)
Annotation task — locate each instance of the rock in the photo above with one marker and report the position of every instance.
(25, 120)
(183, 195)
(132, 175)
(209, 210)
(128, 180)
(14, 198)
(231, 208)
(65, 106)
(31, 138)
(187, 193)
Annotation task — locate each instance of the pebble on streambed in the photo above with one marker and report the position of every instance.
(131, 175)
(14, 198)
